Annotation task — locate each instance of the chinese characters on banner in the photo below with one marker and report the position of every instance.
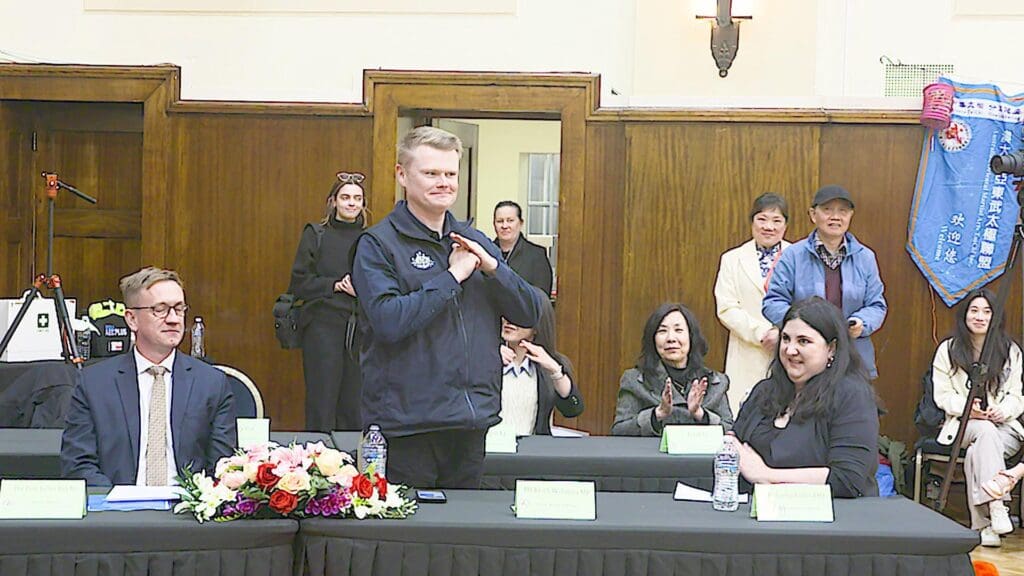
(963, 216)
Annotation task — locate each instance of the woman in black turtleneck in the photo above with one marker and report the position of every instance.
(330, 340)
(670, 384)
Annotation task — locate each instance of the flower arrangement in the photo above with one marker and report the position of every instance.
(271, 481)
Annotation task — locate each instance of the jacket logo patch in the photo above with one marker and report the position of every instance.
(421, 261)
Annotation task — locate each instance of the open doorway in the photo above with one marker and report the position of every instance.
(506, 160)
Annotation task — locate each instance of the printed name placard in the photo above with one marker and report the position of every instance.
(555, 500)
(42, 499)
(792, 503)
(691, 439)
(252, 431)
(501, 439)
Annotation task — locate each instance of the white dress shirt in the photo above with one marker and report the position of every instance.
(519, 396)
(145, 392)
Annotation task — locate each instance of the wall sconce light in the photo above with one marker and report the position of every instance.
(725, 30)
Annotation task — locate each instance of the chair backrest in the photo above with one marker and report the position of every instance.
(248, 400)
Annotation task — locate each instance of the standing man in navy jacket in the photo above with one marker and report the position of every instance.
(433, 291)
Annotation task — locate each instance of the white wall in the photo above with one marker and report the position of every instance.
(652, 52)
(321, 57)
(501, 145)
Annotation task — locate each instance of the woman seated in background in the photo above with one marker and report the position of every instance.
(814, 420)
(670, 384)
(993, 432)
(536, 378)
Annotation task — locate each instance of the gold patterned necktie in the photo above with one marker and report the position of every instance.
(156, 443)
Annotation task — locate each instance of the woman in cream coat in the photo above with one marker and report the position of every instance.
(742, 277)
(993, 432)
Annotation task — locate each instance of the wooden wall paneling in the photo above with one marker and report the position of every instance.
(158, 171)
(878, 164)
(599, 304)
(688, 192)
(15, 203)
(243, 187)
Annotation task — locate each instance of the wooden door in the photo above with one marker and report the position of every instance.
(96, 148)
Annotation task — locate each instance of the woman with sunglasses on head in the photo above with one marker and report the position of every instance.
(321, 277)
(814, 420)
(993, 432)
(536, 378)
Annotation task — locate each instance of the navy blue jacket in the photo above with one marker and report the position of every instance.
(101, 436)
(430, 346)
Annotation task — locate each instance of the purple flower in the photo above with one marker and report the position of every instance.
(246, 506)
(313, 507)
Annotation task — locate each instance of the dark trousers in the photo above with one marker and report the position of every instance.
(444, 459)
(333, 379)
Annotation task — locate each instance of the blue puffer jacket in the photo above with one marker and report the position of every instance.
(800, 274)
(430, 347)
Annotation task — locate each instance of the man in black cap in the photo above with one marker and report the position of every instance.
(831, 263)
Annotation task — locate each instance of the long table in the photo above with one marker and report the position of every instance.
(146, 542)
(649, 534)
(614, 463)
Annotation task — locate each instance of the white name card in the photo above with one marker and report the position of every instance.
(555, 500)
(501, 439)
(42, 499)
(252, 431)
(691, 439)
(792, 503)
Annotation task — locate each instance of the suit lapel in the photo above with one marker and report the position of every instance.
(182, 380)
(127, 382)
(751, 266)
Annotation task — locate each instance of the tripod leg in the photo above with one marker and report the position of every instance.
(64, 319)
(18, 318)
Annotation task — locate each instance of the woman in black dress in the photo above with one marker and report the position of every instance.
(330, 341)
(814, 420)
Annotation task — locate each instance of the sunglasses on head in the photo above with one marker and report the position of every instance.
(351, 177)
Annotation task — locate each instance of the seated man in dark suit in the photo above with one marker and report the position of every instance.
(140, 417)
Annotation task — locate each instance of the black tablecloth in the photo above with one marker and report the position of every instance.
(130, 543)
(30, 453)
(642, 534)
(614, 463)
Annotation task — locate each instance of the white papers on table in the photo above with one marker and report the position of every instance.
(143, 493)
(686, 492)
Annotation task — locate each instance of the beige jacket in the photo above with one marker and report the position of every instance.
(950, 390)
(739, 290)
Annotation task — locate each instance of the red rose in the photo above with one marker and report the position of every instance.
(382, 486)
(363, 486)
(265, 477)
(283, 502)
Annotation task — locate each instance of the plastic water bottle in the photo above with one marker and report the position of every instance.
(727, 473)
(199, 338)
(373, 449)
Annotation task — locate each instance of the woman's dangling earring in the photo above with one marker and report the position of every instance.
(829, 363)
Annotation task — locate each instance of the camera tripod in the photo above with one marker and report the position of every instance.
(69, 349)
(981, 370)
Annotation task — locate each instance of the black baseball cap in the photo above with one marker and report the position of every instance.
(829, 193)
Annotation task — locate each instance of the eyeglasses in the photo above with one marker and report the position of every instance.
(160, 311)
(351, 177)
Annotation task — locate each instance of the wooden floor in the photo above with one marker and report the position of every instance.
(1009, 558)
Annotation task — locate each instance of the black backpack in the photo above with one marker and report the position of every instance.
(928, 417)
(288, 308)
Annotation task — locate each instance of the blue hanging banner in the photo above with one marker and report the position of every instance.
(963, 216)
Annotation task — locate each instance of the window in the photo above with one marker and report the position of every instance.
(542, 202)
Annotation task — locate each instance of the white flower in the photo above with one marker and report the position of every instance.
(360, 511)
